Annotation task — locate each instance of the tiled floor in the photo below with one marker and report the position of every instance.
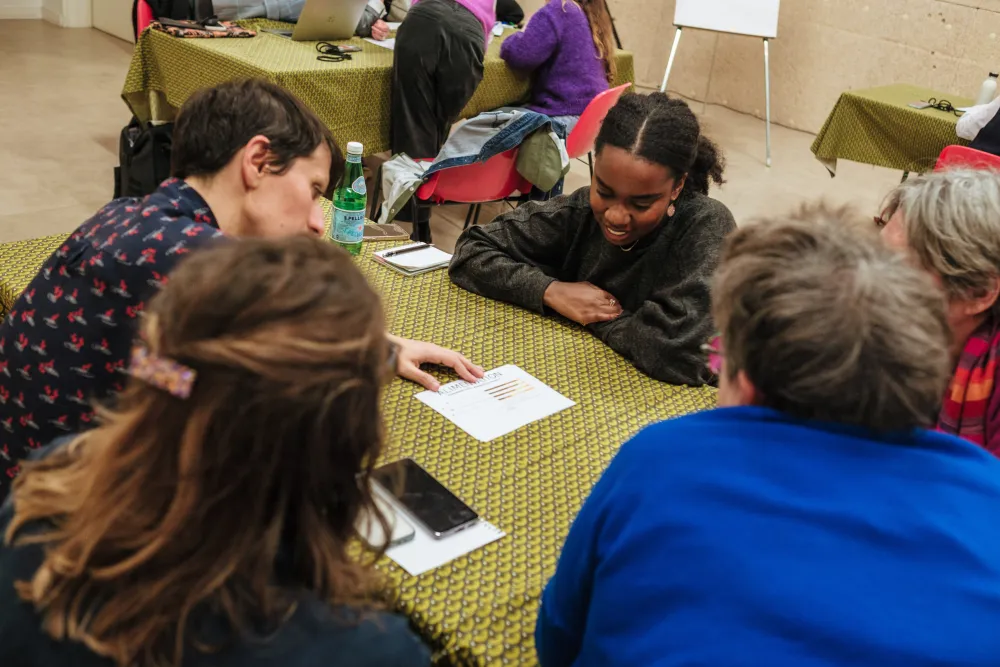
(61, 112)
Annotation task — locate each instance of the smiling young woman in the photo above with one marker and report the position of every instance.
(631, 256)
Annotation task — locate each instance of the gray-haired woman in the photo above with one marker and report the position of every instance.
(949, 222)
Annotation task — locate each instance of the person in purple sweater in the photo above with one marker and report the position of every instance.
(568, 46)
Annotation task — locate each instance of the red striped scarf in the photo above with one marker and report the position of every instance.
(964, 411)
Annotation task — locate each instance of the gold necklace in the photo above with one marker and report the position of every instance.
(629, 249)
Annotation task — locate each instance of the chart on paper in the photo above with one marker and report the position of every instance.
(504, 400)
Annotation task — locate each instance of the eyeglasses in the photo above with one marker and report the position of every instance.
(331, 53)
(713, 354)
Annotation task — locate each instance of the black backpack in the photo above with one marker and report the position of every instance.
(143, 158)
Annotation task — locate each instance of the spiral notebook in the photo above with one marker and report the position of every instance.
(413, 259)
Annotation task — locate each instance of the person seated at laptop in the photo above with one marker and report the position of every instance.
(207, 521)
(812, 520)
(569, 48)
(249, 160)
(630, 257)
(371, 23)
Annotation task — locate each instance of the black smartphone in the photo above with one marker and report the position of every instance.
(424, 498)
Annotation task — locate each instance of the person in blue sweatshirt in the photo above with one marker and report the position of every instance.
(812, 519)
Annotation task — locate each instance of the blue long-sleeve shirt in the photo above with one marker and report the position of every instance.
(743, 537)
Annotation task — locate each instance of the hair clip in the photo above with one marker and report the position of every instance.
(165, 374)
(713, 354)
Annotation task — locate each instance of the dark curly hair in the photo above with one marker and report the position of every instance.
(664, 130)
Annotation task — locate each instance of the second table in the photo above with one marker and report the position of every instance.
(876, 126)
(351, 97)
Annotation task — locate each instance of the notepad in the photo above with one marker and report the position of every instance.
(504, 400)
(414, 262)
(394, 25)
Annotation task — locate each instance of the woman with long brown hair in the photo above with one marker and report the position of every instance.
(207, 519)
(568, 46)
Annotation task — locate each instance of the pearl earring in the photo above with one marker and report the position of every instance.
(671, 210)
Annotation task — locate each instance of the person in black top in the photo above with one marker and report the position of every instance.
(207, 520)
(248, 160)
(630, 257)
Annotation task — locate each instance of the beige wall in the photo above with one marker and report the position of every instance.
(823, 48)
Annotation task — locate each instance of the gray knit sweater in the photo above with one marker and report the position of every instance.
(662, 283)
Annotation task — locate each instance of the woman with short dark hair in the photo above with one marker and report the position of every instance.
(630, 257)
(812, 520)
(248, 160)
(207, 520)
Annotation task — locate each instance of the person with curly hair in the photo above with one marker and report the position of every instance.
(630, 257)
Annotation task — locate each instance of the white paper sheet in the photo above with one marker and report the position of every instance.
(506, 399)
(385, 43)
(424, 552)
(394, 25)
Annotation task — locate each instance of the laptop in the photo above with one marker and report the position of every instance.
(326, 20)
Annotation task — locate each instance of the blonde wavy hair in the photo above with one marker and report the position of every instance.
(174, 506)
(952, 223)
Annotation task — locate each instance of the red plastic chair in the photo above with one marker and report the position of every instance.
(496, 179)
(963, 156)
(581, 140)
(143, 17)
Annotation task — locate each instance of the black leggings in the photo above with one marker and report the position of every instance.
(437, 64)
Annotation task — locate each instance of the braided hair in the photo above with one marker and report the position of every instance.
(664, 130)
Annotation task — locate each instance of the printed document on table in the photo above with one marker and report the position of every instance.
(385, 43)
(504, 400)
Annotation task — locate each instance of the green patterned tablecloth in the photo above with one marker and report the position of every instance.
(481, 608)
(875, 126)
(351, 97)
(20, 261)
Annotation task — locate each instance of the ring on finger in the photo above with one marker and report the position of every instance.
(613, 302)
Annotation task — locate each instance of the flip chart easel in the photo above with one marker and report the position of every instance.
(754, 18)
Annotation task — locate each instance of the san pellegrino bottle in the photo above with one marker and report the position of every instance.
(350, 200)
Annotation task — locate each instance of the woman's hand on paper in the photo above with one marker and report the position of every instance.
(380, 30)
(584, 303)
(413, 353)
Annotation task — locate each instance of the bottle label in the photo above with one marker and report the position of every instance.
(359, 185)
(348, 226)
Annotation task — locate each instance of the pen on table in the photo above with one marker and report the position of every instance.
(393, 253)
